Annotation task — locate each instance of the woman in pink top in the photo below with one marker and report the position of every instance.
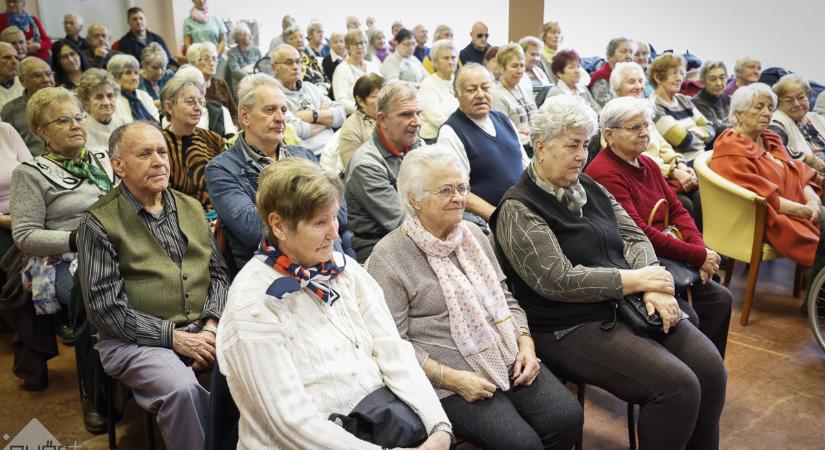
(13, 151)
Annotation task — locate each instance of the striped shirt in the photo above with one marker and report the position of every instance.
(188, 157)
(102, 283)
(682, 125)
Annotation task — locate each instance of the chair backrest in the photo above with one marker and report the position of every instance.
(729, 212)
(224, 250)
(264, 65)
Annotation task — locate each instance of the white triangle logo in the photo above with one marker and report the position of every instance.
(33, 435)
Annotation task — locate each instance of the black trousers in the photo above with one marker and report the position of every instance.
(679, 381)
(544, 415)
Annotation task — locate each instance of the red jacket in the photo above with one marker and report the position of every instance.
(740, 160)
(638, 189)
(45, 44)
(602, 73)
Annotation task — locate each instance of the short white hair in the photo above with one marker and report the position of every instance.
(190, 72)
(470, 68)
(621, 109)
(120, 63)
(249, 86)
(741, 62)
(745, 96)
(528, 41)
(559, 114)
(622, 71)
(77, 18)
(280, 47)
(239, 30)
(417, 171)
(441, 45)
(195, 51)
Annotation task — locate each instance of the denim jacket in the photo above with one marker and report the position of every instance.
(232, 181)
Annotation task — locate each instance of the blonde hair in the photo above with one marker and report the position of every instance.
(790, 81)
(45, 100)
(295, 189)
(508, 52)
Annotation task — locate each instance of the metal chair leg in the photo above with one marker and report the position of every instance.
(110, 413)
(631, 425)
(149, 423)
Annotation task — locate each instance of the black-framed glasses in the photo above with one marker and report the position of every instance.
(65, 121)
(448, 191)
(482, 35)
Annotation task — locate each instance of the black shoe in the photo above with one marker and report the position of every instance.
(94, 422)
(66, 334)
(34, 387)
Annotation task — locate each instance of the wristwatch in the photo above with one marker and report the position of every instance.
(314, 116)
(445, 427)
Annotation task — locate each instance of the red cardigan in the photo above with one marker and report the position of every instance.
(602, 73)
(638, 189)
(45, 44)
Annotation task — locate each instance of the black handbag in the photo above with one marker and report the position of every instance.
(633, 312)
(684, 276)
(383, 419)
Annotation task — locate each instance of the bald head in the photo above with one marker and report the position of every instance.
(98, 36)
(35, 74)
(479, 35)
(284, 66)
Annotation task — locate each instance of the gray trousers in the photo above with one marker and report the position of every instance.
(162, 384)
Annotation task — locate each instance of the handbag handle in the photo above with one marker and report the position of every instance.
(656, 208)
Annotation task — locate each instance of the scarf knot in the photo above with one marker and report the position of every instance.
(199, 15)
(83, 165)
(315, 278)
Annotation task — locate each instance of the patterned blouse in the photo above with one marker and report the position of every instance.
(188, 157)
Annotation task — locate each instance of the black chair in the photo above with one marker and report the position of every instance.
(263, 65)
(581, 388)
(222, 429)
(111, 418)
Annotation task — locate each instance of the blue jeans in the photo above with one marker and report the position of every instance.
(63, 283)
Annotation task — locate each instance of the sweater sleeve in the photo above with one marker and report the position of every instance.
(28, 216)
(620, 187)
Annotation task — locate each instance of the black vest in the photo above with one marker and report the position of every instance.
(592, 241)
(216, 117)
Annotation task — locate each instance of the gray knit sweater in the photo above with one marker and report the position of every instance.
(46, 205)
(416, 301)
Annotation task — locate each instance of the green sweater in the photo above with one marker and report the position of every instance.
(145, 266)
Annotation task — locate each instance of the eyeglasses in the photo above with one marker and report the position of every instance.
(289, 62)
(801, 98)
(448, 191)
(482, 35)
(66, 121)
(636, 129)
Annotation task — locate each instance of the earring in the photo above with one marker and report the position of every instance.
(541, 160)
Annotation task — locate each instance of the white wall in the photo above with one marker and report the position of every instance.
(785, 33)
(110, 12)
(460, 15)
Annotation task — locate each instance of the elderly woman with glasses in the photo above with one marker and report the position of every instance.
(205, 58)
(242, 57)
(569, 250)
(133, 103)
(153, 71)
(802, 131)
(567, 69)
(351, 69)
(402, 64)
(306, 332)
(636, 182)
(190, 148)
(437, 91)
(752, 156)
(50, 193)
(677, 119)
(450, 299)
(98, 93)
(628, 80)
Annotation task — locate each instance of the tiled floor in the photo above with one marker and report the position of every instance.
(776, 387)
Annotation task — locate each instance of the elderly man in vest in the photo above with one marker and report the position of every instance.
(314, 115)
(374, 208)
(154, 285)
(484, 140)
